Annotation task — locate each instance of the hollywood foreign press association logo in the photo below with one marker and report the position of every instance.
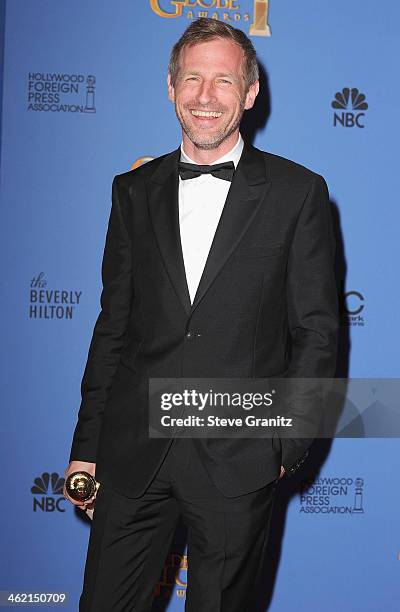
(332, 495)
(224, 10)
(47, 303)
(351, 103)
(61, 92)
(48, 493)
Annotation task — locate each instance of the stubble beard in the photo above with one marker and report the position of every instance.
(211, 141)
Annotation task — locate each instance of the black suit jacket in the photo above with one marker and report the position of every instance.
(266, 306)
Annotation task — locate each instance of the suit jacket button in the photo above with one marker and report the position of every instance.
(189, 335)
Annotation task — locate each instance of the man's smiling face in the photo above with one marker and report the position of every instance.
(210, 93)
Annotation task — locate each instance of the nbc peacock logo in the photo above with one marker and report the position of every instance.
(48, 493)
(351, 103)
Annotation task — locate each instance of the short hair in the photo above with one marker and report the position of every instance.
(207, 28)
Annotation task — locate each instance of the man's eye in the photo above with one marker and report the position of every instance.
(224, 81)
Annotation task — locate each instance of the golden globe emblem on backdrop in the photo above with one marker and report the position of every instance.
(260, 26)
(140, 161)
(225, 10)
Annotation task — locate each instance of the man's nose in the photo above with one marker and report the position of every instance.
(206, 93)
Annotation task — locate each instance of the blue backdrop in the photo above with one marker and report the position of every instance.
(84, 97)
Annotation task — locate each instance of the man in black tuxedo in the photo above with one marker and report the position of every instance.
(218, 263)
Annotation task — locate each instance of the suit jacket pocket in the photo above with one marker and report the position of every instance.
(259, 251)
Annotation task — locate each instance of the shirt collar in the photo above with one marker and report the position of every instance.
(232, 155)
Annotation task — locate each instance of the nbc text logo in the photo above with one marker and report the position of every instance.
(48, 493)
(351, 102)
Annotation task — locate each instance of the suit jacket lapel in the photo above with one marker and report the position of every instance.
(244, 198)
(164, 212)
(249, 185)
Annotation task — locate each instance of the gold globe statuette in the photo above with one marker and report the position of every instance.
(81, 486)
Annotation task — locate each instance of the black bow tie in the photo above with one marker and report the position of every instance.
(223, 171)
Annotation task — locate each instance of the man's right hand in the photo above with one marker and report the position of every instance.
(80, 466)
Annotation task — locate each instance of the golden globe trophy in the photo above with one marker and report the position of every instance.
(81, 486)
(260, 26)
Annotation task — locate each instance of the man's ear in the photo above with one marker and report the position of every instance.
(171, 89)
(251, 95)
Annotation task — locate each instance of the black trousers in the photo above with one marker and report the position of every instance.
(130, 539)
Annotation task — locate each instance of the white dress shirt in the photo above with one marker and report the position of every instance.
(201, 201)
